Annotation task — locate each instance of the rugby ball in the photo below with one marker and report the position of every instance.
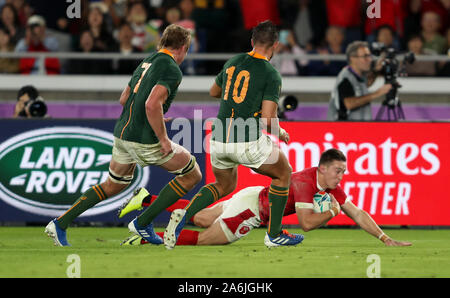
(321, 202)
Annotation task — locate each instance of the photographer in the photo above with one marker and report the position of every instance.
(350, 98)
(30, 104)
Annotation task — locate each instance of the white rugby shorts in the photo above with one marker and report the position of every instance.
(249, 154)
(126, 152)
(241, 213)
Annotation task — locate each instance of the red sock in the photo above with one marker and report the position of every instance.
(187, 237)
(180, 204)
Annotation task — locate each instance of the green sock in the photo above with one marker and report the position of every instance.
(207, 195)
(88, 199)
(171, 193)
(278, 197)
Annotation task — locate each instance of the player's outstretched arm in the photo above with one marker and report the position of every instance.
(366, 222)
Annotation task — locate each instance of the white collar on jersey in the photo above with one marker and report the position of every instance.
(317, 181)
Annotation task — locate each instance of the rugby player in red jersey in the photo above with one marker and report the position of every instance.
(232, 219)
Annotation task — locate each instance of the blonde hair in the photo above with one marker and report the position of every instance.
(175, 37)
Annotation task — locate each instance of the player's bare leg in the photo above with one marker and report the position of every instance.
(280, 172)
(208, 194)
(188, 174)
(120, 176)
(226, 181)
(206, 217)
(213, 235)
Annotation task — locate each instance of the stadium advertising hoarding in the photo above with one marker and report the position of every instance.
(45, 165)
(395, 171)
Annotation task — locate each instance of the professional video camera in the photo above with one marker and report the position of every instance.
(35, 106)
(391, 72)
(286, 103)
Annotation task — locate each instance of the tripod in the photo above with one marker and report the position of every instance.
(393, 106)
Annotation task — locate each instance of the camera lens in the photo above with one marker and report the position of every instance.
(37, 109)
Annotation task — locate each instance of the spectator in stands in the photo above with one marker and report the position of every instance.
(387, 36)
(7, 65)
(125, 47)
(391, 13)
(89, 66)
(96, 24)
(173, 16)
(186, 8)
(419, 68)
(10, 20)
(288, 45)
(116, 11)
(36, 40)
(146, 35)
(310, 23)
(346, 14)
(444, 67)
(412, 21)
(440, 7)
(24, 11)
(266, 10)
(431, 24)
(334, 39)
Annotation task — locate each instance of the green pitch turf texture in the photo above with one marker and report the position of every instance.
(28, 252)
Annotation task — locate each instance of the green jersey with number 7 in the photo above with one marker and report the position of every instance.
(158, 69)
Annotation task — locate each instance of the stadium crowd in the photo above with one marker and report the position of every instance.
(218, 26)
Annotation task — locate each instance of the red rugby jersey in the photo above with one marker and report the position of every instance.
(302, 190)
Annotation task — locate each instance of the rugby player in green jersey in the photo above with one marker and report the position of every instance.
(140, 137)
(249, 88)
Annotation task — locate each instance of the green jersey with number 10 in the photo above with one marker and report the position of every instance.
(246, 80)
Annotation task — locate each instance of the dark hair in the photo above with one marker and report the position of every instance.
(28, 89)
(16, 15)
(382, 27)
(265, 33)
(416, 36)
(331, 155)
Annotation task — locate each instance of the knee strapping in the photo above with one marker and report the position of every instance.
(187, 169)
(119, 179)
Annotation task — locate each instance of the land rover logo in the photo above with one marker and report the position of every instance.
(45, 170)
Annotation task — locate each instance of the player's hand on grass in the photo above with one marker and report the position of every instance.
(392, 242)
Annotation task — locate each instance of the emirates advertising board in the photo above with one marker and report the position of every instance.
(396, 171)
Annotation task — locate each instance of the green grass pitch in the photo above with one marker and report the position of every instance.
(28, 252)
